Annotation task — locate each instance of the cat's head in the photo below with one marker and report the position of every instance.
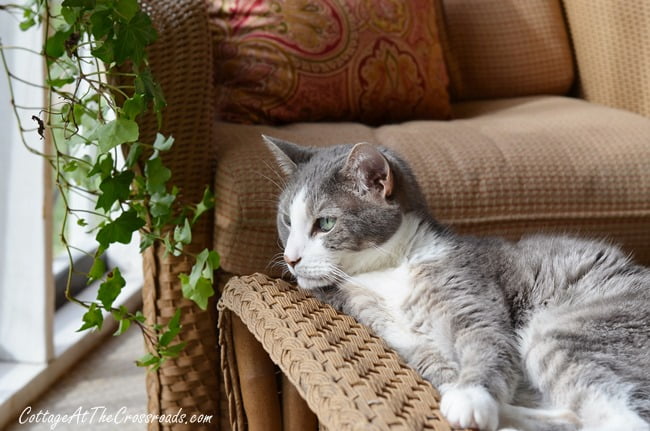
(339, 207)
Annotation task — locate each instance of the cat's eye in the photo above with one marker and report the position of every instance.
(325, 224)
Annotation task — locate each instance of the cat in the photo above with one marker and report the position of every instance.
(547, 333)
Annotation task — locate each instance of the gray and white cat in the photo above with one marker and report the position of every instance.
(548, 333)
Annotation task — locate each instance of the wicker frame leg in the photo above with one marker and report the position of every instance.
(257, 379)
(296, 415)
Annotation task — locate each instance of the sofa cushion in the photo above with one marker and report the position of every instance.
(611, 42)
(497, 48)
(374, 61)
(506, 167)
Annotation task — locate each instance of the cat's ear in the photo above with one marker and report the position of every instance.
(368, 165)
(287, 154)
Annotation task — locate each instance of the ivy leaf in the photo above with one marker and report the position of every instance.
(70, 166)
(92, 319)
(132, 37)
(97, 270)
(146, 241)
(170, 246)
(134, 155)
(145, 84)
(116, 132)
(105, 52)
(70, 15)
(173, 351)
(134, 106)
(127, 8)
(103, 166)
(115, 189)
(206, 263)
(174, 327)
(157, 176)
(183, 234)
(163, 144)
(149, 360)
(120, 230)
(59, 82)
(110, 289)
(55, 44)
(160, 204)
(86, 4)
(199, 291)
(213, 260)
(101, 23)
(198, 285)
(207, 202)
(27, 24)
(124, 325)
(140, 317)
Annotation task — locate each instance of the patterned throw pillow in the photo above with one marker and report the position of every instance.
(374, 61)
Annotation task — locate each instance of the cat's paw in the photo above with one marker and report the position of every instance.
(470, 407)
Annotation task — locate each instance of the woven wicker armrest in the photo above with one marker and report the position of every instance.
(348, 377)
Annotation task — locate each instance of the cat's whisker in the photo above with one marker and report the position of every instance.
(340, 275)
(272, 181)
(272, 168)
(383, 250)
(277, 262)
(281, 185)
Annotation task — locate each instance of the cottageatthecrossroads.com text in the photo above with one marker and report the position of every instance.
(101, 415)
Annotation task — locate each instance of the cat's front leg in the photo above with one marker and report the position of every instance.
(432, 364)
(469, 407)
(487, 377)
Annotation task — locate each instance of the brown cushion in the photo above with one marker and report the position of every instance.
(611, 41)
(497, 48)
(505, 168)
(291, 60)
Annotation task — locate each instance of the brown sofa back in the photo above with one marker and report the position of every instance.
(506, 48)
(612, 46)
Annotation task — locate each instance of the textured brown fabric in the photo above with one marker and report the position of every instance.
(349, 377)
(191, 381)
(497, 48)
(506, 168)
(611, 40)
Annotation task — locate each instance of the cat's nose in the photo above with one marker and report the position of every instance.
(290, 262)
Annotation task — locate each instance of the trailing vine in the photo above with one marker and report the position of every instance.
(91, 49)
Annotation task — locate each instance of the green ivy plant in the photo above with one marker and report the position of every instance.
(89, 46)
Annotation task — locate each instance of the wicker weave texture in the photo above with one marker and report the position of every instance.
(191, 381)
(349, 377)
(612, 48)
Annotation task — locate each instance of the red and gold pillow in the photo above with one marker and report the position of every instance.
(374, 61)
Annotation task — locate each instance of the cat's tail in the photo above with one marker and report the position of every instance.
(536, 419)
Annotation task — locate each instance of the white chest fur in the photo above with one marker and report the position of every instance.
(392, 287)
(395, 309)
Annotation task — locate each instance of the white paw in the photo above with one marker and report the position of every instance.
(470, 407)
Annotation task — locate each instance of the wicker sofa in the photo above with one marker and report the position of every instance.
(550, 133)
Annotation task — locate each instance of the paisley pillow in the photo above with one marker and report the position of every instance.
(374, 61)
